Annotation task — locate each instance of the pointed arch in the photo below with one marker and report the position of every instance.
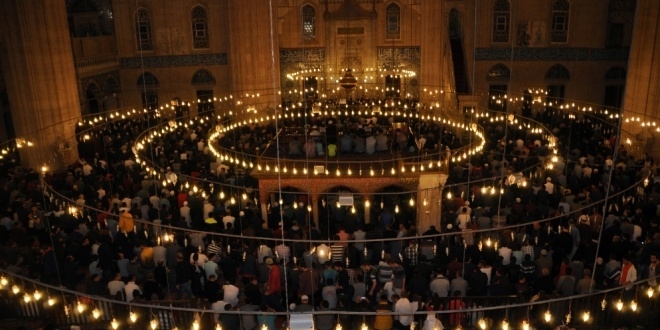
(499, 72)
(203, 77)
(557, 72)
(147, 80)
(616, 73)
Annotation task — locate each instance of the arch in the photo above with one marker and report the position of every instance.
(616, 73)
(501, 20)
(111, 86)
(93, 95)
(143, 30)
(203, 77)
(308, 22)
(393, 21)
(454, 24)
(147, 80)
(498, 72)
(557, 72)
(200, 30)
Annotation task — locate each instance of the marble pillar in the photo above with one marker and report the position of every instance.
(254, 49)
(430, 189)
(37, 62)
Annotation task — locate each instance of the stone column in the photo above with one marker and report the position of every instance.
(254, 50)
(432, 34)
(430, 188)
(642, 96)
(37, 61)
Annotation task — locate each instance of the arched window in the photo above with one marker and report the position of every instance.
(200, 31)
(616, 73)
(147, 84)
(501, 20)
(308, 23)
(203, 78)
(557, 72)
(498, 72)
(393, 28)
(143, 30)
(560, 10)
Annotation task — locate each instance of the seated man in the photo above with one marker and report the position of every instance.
(346, 143)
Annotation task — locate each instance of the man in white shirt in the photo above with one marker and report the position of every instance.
(210, 268)
(230, 294)
(402, 305)
(185, 213)
(116, 285)
(440, 285)
(505, 253)
(228, 218)
(263, 252)
(130, 289)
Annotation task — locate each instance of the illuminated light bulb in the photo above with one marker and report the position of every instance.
(353, 209)
(505, 325)
(482, 324)
(80, 307)
(3, 281)
(449, 195)
(525, 325)
(309, 208)
(114, 324)
(263, 327)
(393, 171)
(396, 209)
(96, 313)
(27, 297)
(649, 292)
(424, 202)
(633, 306)
(15, 289)
(132, 316)
(547, 316)
(586, 316)
(619, 305)
(411, 202)
(371, 172)
(37, 295)
(153, 324)
(364, 327)
(51, 301)
(488, 242)
(245, 196)
(232, 200)
(367, 203)
(338, 172)
(218, 326)
(483, 190)
(338, 327)
(295, 205)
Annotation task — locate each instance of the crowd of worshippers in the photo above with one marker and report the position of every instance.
(328, 136)
(117, 252)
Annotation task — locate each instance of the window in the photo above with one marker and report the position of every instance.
(555, 96)
(143, 30)
(557, 76)
(501, 20)
(615, 35)
(615, 80)
(392, 85)
(393, 28)
(147, 84)
(308, 23)
(199, 28)
(203, 78)
(496, 99)
(560, 10)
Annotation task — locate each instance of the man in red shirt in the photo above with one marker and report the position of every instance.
(273, 290)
